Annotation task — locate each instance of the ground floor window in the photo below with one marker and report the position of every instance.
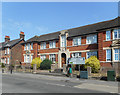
(108, 55)
(117, 54)
(93, 53)
(28, 58)
(43, 57)
(76, 55)
(7, 60)
(52, 57)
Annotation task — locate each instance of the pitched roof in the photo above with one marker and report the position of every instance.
(93, 28)
(83, 30)
(10, 43)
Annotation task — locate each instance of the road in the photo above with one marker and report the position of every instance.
(24, 84)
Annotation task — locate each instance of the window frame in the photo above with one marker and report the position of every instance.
(43, 44)
(77, 39)
(53, 56)
(31, 46)
(107, 54)
(53, 44)
(117, 54)
(118, 33)
(91, 54)
(63, 41)
(91, 41)
(42, 57)
(108, 33)
(78, 54)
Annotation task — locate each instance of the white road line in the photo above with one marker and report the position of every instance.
(55, 84)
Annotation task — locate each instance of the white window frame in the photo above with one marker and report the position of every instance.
(24, 58)
(91, 54)
(63, 40)
(43, 45)
(7, 60)
(108, 53)
(117, 53)
(28, 59)
(8, 50)
(31, 46)
(108, 35)
(31, 58)
(25, 47)
(118, 31)
(52, 57)
(78, 39)
(76, 55)
(52, 44)
(28, 46)
(5, 50)
(90, 40)
(42, 57)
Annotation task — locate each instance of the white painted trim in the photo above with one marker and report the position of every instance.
(104, 48)
(83, 51)
(48, 53)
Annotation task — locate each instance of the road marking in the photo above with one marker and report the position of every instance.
(55, 84)
(104, 88)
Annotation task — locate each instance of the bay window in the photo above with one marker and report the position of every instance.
(24, 58)
(108, 55)
(93, 53)
(52, 44)
(76, 41)
(91, 39)
(7, 60)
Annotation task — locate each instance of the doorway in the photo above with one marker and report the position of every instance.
(63, 59)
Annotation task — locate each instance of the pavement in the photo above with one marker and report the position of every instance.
(72, 84)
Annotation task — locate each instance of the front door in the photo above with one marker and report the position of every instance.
(63, 59)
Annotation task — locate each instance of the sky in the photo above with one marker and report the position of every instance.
(37, 18)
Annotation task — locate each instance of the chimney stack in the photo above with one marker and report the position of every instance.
(22, 35)
(7, 38)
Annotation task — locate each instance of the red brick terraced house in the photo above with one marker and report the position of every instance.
(11, 50)
(101, 39)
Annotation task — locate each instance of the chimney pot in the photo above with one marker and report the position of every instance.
(7, 38)
(22, 35)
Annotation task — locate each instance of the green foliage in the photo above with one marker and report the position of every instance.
(94, 63)
(37, 61)
(46, 64)
(2, 65)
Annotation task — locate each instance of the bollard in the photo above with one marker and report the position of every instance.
(34, 68)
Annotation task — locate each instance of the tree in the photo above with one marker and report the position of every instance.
(37, 61)
(94, 63)
(46, 64)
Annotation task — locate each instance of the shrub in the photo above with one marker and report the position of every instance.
(37, 61)
(94, 63)
(46, 64)
(2, 65)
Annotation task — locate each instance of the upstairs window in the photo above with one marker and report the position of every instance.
(91, 39)
(108, 35)
(63, 41)
(116, 33)
(31, 46)
(8, 51)
(43, 45)
(76, 55)
(52, 44)
(76, 41)
(5, 50)
(108, 55)
(28, 46)
(25, 47)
